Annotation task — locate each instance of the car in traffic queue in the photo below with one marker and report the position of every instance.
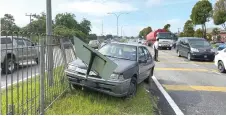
(194, 48)
(94, 44)
(134, 65)
(220, 60)
(15, 50)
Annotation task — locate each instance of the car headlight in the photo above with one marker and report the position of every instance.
(72, 67)
(116, 77)
(194, 50)
(160, 44)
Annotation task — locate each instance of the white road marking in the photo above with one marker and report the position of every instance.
(168, 98)
(195, 64)
(218, 73)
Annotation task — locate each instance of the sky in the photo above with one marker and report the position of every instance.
(141, 13)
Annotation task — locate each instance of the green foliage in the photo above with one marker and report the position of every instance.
(201, 12)
(144, 32)
(67, 20)
(38, 24)
(8, 23)
(209, 37)
(92, 37)
(219, 13)
(198, 33)
(167, 27)
(215, 31)
(181, 34)
(85, 26)
(109, 36)
(188, 29)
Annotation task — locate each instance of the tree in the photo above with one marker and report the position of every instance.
(109, 36)
(67, 20)
(144, 32)
(188, 29)
(8, 23)
(92, 37)
(219, 13)
(215, 31)
(167, 27)
(38, 24)
(85, 26)
(198, 33)
(181, 34)
(201, 13)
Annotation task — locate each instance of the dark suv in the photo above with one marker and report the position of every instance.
(195, 48)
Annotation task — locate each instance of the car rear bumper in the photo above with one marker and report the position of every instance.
(114, 88)
(203, 56)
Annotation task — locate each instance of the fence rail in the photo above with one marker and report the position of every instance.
(31, 80)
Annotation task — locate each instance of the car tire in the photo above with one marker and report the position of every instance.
(36, 60)
(221, 67)
(189, 57)
(147, 80)
(9, 66)
(132, 88)
(178, 53)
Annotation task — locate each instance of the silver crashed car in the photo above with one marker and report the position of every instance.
(135, 64)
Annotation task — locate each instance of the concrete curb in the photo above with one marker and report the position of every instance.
(170, 101)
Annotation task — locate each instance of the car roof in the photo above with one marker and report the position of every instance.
(131, 44)
(191, 38)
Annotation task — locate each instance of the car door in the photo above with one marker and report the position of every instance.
(21, 49)
(186, 48)
(149, 63)
(30, 49)
(224, 57)
(141, 56)
(181, 47)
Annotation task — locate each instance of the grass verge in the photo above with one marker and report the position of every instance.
(24, 97)
(89, 102)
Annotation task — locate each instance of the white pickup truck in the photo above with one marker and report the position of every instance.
(15, 50)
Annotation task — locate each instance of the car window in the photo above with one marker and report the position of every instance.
(141, 53)
(20, 42)
(28, 43)
(6, 41)
(147, 53)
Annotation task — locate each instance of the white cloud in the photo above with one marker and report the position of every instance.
(152, 3)
(96, 8)
(175, 24)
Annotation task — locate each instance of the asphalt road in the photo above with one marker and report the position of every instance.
(30, 69)
(195, 86)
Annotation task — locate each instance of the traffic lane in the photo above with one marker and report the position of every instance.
(24, 72)
(200, 63)
(206, 89)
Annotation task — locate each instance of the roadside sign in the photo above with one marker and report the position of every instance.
(95, 61)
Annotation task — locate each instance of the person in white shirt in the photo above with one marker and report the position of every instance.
(156, 47)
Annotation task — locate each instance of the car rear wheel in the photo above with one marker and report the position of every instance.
(221, 67)
(132, 88)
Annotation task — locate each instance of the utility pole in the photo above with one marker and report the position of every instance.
(178, 30)
(49, 41)
(30, 15)
(117, 17)
(102, 28)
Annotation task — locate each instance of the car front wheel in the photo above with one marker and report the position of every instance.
(221, 67)
(9, 66)
(132, 88)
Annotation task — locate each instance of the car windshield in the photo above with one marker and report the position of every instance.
(164, 36)
(199, 43)
(121, 51)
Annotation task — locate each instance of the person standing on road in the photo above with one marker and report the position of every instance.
(156, 47)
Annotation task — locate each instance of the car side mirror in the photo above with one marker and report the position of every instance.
(142, 61)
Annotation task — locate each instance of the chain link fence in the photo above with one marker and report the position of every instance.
(32, 71)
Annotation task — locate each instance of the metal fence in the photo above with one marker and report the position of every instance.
(32, 75)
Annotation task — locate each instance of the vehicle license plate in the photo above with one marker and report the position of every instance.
(84, 71)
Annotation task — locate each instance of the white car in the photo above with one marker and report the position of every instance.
(220, 60)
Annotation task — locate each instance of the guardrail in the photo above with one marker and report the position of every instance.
(32, 75)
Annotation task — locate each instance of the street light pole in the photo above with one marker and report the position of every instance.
(117, 16)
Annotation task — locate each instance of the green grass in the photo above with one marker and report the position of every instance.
(88, 102)
(25, 95)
